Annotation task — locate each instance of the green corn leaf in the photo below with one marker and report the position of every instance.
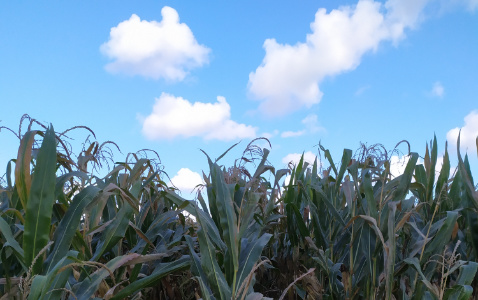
(228, 218)
(442, 237)
(416, 265)
(420, 184)
(91, 283)
(458, 292)
(343, 167)
(222, 155)
(251, 250)
(138, 169)
(262, 167)
(330, 206)
(196, 267)
(66, 230)
(56, 281)
(390, 261)
(467, 273)
(279, 174)
(368, 189)
(39, 281)
(23, 179)
(293, 213)
(329, 158)
(443, 177)
(209, 263)
(203, 203)
(247, 212)
(60, 182)
(40, 202)
(190, 207)
(208, 294)
(431, 171)
(10, 240)
(159, 272)
(8, 174)
(114, 232)
(405, 179)
(466, 175)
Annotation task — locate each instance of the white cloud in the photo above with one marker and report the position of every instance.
(174, 116)
(361, 90)
(186, 180)
(437, 90)
(166, 49)
(287, 134)
(295, 158)
(289, 75)
(469, 132)
(311, 126)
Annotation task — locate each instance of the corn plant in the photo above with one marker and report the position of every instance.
(377, 237)
(77, 235)
(229, 240)
(350, 231)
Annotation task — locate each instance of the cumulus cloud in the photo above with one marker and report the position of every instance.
(437, 90)
(311, 125)
(469, 133)
(295, 158)
(186, 180)
(289, 75)
(166, 49)
(177, 117)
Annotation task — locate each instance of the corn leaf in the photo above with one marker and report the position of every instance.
(23, 179)
(209, 263)
(251, 250)
(159, 272)
(40, 202)
(66, 230)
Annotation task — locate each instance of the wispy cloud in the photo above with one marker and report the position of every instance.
(437, 90)
(311, 125)
(166, 49)
(177, 117)
(361, 90)
(287, 134)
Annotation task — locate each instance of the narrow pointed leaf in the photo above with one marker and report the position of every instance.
(159, 272)
(40, 202)
(23, 179)
(250, 254)
(68, 226)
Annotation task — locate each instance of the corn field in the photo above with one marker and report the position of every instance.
(349, 231)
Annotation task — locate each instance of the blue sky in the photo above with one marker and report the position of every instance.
(181, 76)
